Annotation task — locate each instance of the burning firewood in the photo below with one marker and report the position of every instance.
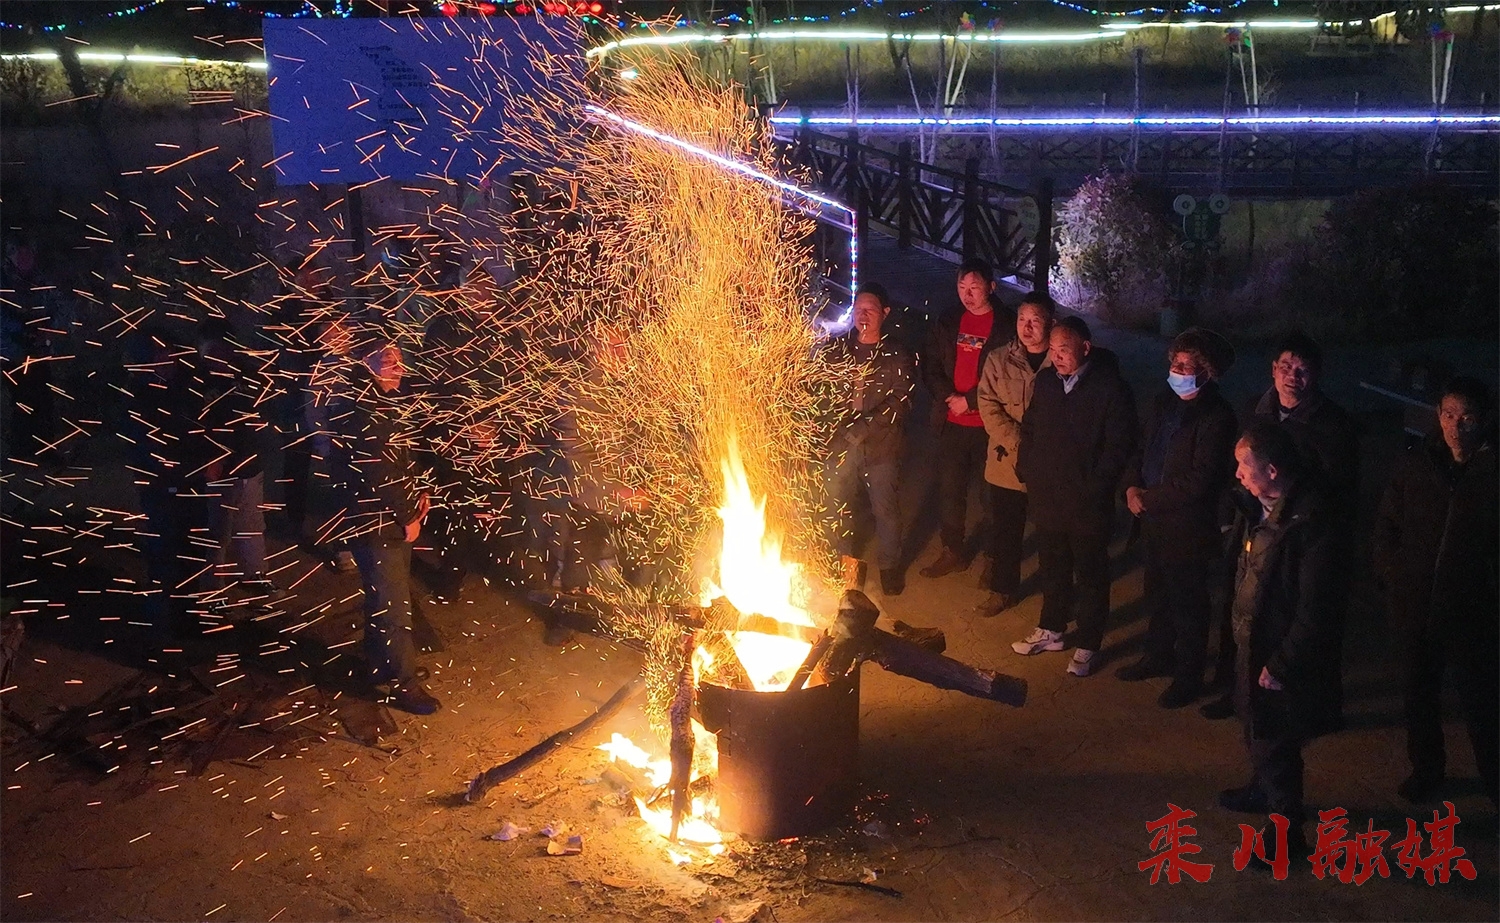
(855, 639)
(680, 716)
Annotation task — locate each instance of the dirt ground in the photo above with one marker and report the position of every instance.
(969, 809)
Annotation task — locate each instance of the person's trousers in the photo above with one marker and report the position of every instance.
(1277, 767)
(296, 469)
(237, 526)
(1177, 607)
(1424, 656)
(385, 573)
(170, 565)
(1074, 568)
(852, 474)
(961, 456)
(1008, 531)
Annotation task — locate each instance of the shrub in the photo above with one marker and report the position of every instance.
(1384, 264)
(1114, 251)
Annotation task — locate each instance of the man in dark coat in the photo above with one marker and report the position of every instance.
(1436, 546)
(1173, 487)
(1283, 619)
(1328, 439)
(1076, 439)
(867, 448)
(957, 347)
(381, 519)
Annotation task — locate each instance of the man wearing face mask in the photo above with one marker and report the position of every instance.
(1436, 543)
(867, 449)
(1173, 487)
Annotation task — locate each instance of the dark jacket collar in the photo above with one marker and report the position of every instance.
(1269, 405)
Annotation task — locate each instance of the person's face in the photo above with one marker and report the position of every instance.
(974, 292)
(1257, 477)
(1293, 378)
(1460, 424)
(1068, 350)
(1032, 328)
(388, 368)
(869, 315)
(1189, 364)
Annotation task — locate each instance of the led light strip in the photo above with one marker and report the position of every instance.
(1390, 120)
(1109, 31)
(797, 193)
(114, 57)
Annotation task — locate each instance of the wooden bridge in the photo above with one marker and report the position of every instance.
(999, 207)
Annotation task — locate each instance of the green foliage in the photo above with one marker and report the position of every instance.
(1384, 264)
(1114, 250)
(1398, 262)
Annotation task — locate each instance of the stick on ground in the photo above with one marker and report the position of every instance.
(487, 780)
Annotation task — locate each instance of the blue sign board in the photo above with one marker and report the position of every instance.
(358, 100)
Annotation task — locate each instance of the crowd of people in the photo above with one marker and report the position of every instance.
(1244, 519)
(1246, 523)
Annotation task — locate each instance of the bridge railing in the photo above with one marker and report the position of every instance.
(958, 214)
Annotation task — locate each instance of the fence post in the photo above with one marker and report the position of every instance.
(970, 205)
(905, 192)
(1042, 247)
(852, 193)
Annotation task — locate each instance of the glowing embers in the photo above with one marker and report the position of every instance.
(766, 762)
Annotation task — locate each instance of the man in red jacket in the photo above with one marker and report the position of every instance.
(956, 351)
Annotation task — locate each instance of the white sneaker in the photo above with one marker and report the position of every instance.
(1082, 662)
(1039, 640)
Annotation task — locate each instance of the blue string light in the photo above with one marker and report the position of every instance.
(308, 9)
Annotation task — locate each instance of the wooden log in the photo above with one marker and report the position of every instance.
(492, 777)
(901, 656)
(857, 638)
(680, 746)
(815, 654)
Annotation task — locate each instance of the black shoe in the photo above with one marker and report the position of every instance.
(411, 697)
(1420, 787)
(1179, 694)
(1145, 668)
(1218, 709)
(892, 581)
(948, 562)
(1247, 799)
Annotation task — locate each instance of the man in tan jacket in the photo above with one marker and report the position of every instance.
(1005, 387)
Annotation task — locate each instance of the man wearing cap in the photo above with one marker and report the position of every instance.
(1173, 487)
(382, 517)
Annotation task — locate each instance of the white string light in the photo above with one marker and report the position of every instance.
(115, 57)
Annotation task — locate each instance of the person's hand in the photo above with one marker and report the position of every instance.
(413, 529)
(957, 404)
(1267, 681)
(1135, 498)
(424, 504)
